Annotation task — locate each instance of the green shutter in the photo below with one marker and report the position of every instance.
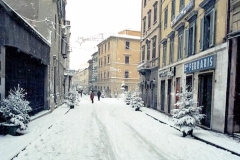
(194, 38)
(201, 34)
(212, 27)
(186, 42)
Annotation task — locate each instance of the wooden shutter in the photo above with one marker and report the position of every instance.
(186, 42)
(194, 38)
(212, 28)
(201, 33)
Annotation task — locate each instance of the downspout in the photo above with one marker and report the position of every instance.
(159, 49)
(229, 64)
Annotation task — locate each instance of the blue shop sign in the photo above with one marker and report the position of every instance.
(208, 62)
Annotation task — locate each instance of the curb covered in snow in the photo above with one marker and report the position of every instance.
(197, 138)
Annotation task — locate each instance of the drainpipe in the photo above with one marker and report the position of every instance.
(159, 48)
(229, 64)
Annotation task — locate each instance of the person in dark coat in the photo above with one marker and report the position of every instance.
(99, 95)
(92, 96)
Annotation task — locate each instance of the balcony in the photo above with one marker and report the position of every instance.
(146, 66)
(143, 67)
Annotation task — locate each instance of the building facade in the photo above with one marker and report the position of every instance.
(118, 57)
(233, 107)
(150, 51)
(80, 79)
(48, 18)
(194, 52)
(24, 59)
(95, 70)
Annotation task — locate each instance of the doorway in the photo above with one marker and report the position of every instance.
(169, 94)
(162, 94)
(205, 97)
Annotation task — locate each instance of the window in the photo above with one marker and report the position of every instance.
(190, 39)
(173, 9)
(55, 28)
(189, 82)
(171, 56)
(127, 45)
(143, 53)
(181, 5)
(164, 54)
(104, 60)
(154, 47)
(165, 17)
(180, 45)
(105, 47)
(126, 88)
(144, 25)
(99, 63)
(104, 75)
(144, 2)
(108, 45)
(126, 74)
(108, 59)
(148, 50)
(149, 19)
(126, 59)
(108, 74)
(207, 30)
(155, 12)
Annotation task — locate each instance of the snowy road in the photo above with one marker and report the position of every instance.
(110, 130)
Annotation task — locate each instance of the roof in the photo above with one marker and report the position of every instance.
(124, 36)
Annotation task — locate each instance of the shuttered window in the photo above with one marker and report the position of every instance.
(164, 54)
(171, 56)
(207, 30)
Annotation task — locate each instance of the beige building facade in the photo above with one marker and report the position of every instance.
(80, 79)
(150, 51)
(194, 52)
(118, 57)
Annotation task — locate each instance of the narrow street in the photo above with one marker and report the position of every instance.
(110, 130)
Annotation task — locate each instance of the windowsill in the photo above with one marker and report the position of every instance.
(154, 22)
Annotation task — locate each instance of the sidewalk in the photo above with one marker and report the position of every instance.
(219, 140)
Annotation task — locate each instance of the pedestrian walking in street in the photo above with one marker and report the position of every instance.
(81, 92)
(92, 96)
(99, 95)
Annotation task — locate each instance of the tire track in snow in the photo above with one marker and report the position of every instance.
(140, 138)
(108, 150)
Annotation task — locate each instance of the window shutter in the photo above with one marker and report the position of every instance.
(186, 42)
(194, 38)
(202, 34)
(212, 27)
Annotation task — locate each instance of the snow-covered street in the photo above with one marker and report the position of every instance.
(107, 130)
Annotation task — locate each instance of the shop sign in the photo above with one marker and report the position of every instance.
(183, 12)
(208, 62)
(170, 72)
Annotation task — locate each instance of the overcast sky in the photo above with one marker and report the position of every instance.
(90, 18)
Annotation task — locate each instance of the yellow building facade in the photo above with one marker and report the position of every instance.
(194, 53)
(118, 57)
(150, 53)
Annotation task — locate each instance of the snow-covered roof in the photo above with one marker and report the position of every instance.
(25, 23)
(125, 36)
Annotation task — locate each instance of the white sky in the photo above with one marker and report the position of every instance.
(110, 129)
(89, 18)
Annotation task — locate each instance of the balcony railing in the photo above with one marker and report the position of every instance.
(144, 65)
